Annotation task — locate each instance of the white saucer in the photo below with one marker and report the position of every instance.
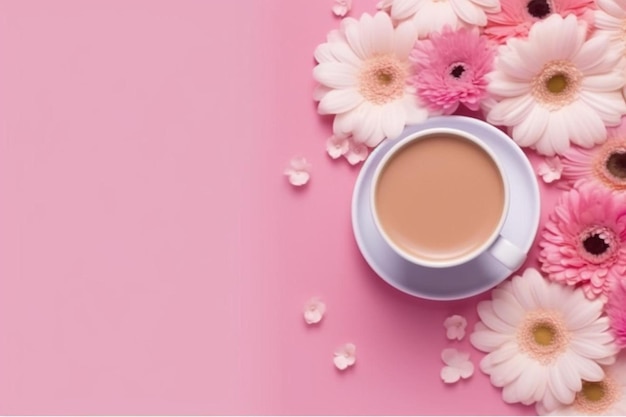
(477, 275)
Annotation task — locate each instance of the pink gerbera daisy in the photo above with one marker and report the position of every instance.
(604, 164)
(584, 242)
(450, 68)
(616, 310)
(517, 16)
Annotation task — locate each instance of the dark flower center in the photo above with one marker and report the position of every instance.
(538, 8)
(595, 245)
(616, 164)
(457, 71)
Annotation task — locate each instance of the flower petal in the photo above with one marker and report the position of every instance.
(337, 146)
(488, 340)
(393, 118)
(466, 369)
(298, 178)
(570, 377)
(526, 383)
(403, 9)
(558, 387)
(381, 34)
(469, 12)
(555, 138)
(488, 316)
(341, 362)
(450, 375)
(339, 101)
(585, 126)
(531, 129)
(335, 75)
(404, 39)
(511, 111)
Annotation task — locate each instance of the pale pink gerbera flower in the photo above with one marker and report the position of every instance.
(616, 310)
(556, 87)
(604, 164)
(517, 16)
(363, 71)
(543, 339)
(450, 69)
(584, 242)
(430, 16)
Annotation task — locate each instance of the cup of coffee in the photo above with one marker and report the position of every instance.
(440, 198)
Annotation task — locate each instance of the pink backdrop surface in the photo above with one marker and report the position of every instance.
(153, 258)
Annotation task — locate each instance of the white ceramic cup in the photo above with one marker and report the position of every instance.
(499, 247)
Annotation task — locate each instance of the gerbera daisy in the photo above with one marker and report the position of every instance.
(556, 87)
(363, 70)
(542, 340)
(604, 164)
(584, 242)
(433, 15)
(450, 68)
(602, 398)
(517, 16)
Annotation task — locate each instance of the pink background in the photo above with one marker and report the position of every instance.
(153, 259)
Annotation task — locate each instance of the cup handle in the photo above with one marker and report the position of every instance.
(507, 253)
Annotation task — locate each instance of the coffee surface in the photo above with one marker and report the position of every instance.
(440, 198)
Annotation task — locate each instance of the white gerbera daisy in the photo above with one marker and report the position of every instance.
(543, 340)
(556, 87)
(432, 15)
(363, 70)
(602, 398)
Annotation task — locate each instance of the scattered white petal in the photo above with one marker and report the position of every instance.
(550, 169)
(298, 171)
(357, 152)
(314, 310)
(345, 356)
(458, 366)
(450, 375)
(337, 146)
(455, 327)
(342, 7)
(346, 146)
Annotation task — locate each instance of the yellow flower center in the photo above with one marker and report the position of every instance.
(593, 391)
(557, 84)
(544, 334)
(382, 79)
(597, 397)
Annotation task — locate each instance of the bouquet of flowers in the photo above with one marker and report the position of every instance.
(553, 74)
